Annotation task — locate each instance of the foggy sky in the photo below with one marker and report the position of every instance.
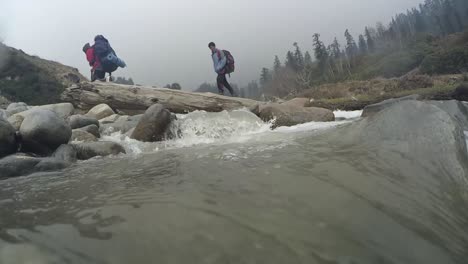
(166, 41)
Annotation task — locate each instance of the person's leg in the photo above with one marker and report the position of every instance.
(99, 75)
(220, 82)
(227, 85)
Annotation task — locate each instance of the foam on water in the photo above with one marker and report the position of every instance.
(200, 127)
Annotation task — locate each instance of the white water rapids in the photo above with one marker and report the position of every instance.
(238, 126)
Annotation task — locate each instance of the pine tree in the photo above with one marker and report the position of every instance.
(351, 47)
(298, 56)
(362, 45)
(307, 59)
(336, 49)
(320, 51)
(291, 61)
(265, 76)
(370, 40)
(277, 65)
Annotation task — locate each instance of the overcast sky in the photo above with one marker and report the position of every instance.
(166, 41)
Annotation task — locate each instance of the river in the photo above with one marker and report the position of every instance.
(230, 190)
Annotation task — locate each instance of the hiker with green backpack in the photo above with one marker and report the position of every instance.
(223, 64)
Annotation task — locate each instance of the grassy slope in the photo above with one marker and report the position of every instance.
(427, 66)
(31, 79)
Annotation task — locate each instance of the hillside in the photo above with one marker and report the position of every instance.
(31, 79)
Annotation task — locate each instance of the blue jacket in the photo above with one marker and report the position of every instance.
(219, 60)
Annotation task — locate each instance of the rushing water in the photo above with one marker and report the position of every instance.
(230, 190)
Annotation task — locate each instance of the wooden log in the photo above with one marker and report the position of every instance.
(136, 99)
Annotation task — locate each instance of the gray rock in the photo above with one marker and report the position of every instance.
(43, 131)
(100, 111)
(22, 165)
(82, 136)
(7, 138)
(79, 121)
(92, 129)
(456, 109)
(290, 115)
(153, 125)
(375, 108)
(90, 150)
(66, 153)
(14, 108)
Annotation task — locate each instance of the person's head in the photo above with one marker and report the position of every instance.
(86, 47)
(212, 46)
(99, 37)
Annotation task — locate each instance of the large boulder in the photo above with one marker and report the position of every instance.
(456, 109)
(92, 129)
(153, 125)
(21, 165)
(82, 136)
(43, 131)
(100, 111)
(412, 129)
(16, 121)
(301, 102)
(79, 121)
(90, 150)
(7, 138)
(14, 108)
(375, 108)
(290, 115)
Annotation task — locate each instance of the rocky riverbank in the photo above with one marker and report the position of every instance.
(53, 137)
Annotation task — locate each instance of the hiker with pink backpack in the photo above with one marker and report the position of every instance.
(223, 64)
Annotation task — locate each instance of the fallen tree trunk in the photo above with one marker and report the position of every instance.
(136, 99)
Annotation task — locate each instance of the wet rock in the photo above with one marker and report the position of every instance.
(14, 108)
(375, 108)
(66, 153)
(4, 114)
(92, 129)
(413, 129)
(79, 121)
(290, 115)
(301, 102)
(82, 136)
(456, 109)
(17, 165)
(22, 165)
(7, 138)
(43, 131)
(90, 150)
(153, 125)
(100, 111)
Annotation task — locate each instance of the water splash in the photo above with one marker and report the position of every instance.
(200, 127)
